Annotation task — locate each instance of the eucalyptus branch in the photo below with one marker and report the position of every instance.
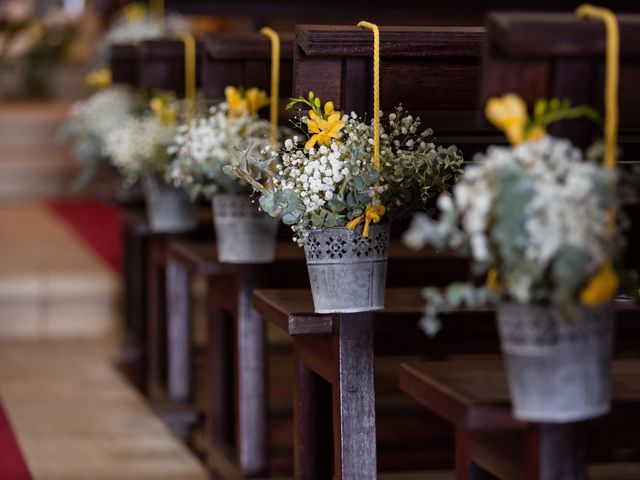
(247, 178)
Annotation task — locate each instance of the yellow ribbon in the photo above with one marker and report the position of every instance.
(190, 73)
(373, 213)
(604, 284)
(275, 80)
(157, 7)
(611, 78)
(376, 91)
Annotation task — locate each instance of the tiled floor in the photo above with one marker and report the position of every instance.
(76, 418)
(51, 284)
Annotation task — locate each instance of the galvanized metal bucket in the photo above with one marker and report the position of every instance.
(558, 370)
(244, 234)
(347, 272)
(169, 209)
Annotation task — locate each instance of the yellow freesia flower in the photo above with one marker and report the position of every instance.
(323, 130)
(373, 213)
(100, 78)
(601, 288)
(328, 109)
(256, 99)
(250, 102)
(134, 12)
(237, 104)
(509, 114)
(164, 110)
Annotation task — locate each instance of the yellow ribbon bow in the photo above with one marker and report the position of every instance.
(373, 213)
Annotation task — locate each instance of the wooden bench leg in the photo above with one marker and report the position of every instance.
(555, 452)
(156, 325)
(312, 420)
(220, 414)
(179, 307)
(251, 385)
(135, 311)
(466, 468)
(354, 424)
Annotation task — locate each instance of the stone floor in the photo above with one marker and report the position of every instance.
(52, 285)
(76, 418)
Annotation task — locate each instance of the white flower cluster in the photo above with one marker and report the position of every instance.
(101, 113)
(147, 27)
(335, 183)
(205, 145)
(316, 173)
(139, 146)
(523, 207)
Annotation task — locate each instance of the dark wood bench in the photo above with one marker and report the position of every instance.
(434, 72)
(143, 291)
(341, 348)
(161, 65)
(236, 427)
(472, 394)
(334, 370)
(123, 62)
(244, 60)
(559, 55)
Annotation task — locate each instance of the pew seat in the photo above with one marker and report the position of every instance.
(471, 392)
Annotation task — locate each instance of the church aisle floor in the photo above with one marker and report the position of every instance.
(52, 285)
(76, 418)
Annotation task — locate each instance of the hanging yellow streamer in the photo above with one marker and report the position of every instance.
(376, 91)
(190, 73)
(375, 211)
(611, 79)
(275, 80)
(604, 285)
(157, 7)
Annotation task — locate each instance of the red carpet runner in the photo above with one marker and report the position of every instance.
(12, 464)
(98, 223)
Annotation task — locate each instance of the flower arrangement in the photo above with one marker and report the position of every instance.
(205, 145)
(328, 180)
(136, 22)
(138, 146)
(34, 41)
(133, 23)
(91, 121)
(537, 218)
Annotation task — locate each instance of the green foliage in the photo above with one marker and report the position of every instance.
(546, 112)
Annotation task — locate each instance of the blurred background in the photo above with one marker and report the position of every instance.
(60, 242)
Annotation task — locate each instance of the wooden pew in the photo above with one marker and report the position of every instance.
(472, 394)
(244, 60)
(433, 71)
(559, 55)
(241, 59)
(123, 62)
(334, 397)
(161, 65)
(534, 55)
(238, 427)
